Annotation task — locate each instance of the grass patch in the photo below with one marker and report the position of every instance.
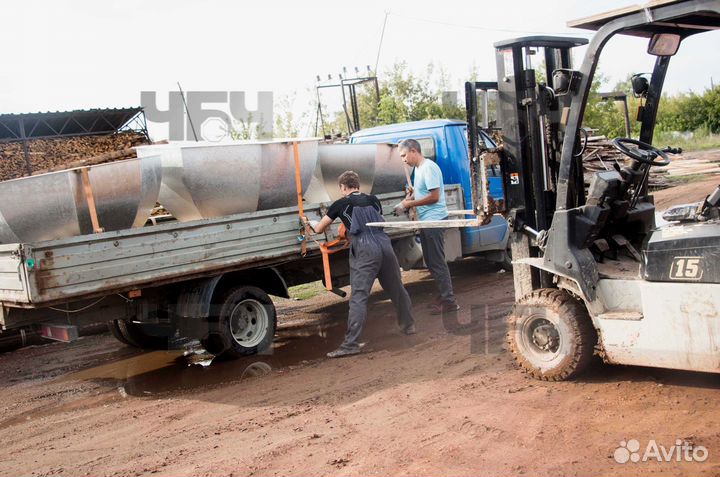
(698, 140)
(679, 180)
(306, 290)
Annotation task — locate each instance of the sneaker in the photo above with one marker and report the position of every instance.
(409, 330)
(444, 307)
(340, 352)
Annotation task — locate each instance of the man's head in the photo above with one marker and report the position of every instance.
(349, 182)
(410, 152)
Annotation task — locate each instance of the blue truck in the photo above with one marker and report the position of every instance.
(160, 284)
(445, 142)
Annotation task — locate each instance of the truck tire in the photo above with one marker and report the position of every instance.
(115, 331)
(245, 324)
(506, 263)
(551, 335)
(133, 335)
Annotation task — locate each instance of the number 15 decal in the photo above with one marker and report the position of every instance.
(686, 268)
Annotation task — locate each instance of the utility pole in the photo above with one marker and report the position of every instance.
(192, 126)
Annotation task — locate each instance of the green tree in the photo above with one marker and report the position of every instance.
(606, 117)
(286, 125)
(247, 130)
(404, 96)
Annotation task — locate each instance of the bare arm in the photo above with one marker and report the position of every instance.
(429, 199)
(322, 225)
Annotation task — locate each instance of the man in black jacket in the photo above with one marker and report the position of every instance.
(371, 257)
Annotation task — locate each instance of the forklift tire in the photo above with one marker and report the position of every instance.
(245, 324)
(134, 336)
(551, 335)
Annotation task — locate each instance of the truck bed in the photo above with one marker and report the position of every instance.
(57, 271)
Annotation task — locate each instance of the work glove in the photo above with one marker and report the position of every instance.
(399, 209)
(313, 224)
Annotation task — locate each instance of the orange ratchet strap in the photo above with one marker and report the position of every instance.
(298, 187)
(327, 248)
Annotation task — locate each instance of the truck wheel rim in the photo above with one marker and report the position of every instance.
(541, 338)
(249, 323)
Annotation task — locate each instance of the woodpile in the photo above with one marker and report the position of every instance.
(699, 163)
(55, 154)
(600, 155)
(12, 161)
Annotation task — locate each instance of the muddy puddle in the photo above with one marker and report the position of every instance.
(152, 373)
(160, 372)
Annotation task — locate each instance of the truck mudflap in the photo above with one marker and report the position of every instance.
(195, 298)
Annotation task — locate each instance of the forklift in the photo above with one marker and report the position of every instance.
(593, 274)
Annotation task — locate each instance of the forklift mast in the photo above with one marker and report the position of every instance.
(530, 116)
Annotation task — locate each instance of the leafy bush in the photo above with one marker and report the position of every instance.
(696, 115)
(690, 111)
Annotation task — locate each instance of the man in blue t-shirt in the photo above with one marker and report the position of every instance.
(429, 200)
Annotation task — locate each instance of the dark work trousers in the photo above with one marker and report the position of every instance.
(370, 259)
(433, 247)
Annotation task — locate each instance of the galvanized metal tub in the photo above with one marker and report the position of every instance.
(212, 180)
(54, 205)
(379, 166)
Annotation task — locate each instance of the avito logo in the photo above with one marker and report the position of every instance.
(681, 451)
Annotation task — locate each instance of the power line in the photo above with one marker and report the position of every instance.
(464, 26)
(382, 36)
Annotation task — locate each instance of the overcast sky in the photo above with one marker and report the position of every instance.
(61, 55)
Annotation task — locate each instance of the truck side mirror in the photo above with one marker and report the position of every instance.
(664, 44)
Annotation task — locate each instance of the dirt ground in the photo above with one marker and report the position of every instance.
(446, 401)
(698, 186)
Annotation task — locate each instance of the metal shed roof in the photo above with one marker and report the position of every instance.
(15, 127)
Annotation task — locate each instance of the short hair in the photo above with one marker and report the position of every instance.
(349, 179)
(410, 145)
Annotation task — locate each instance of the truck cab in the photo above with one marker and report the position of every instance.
(445, 142)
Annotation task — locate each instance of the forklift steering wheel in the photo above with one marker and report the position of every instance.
(645, 153)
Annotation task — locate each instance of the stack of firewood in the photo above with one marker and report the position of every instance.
(55, 154)
(12, 161)
(600, 155)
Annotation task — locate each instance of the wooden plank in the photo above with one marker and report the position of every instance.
(90, 198)
(597, 21)
(594, 22)
(92, 161)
